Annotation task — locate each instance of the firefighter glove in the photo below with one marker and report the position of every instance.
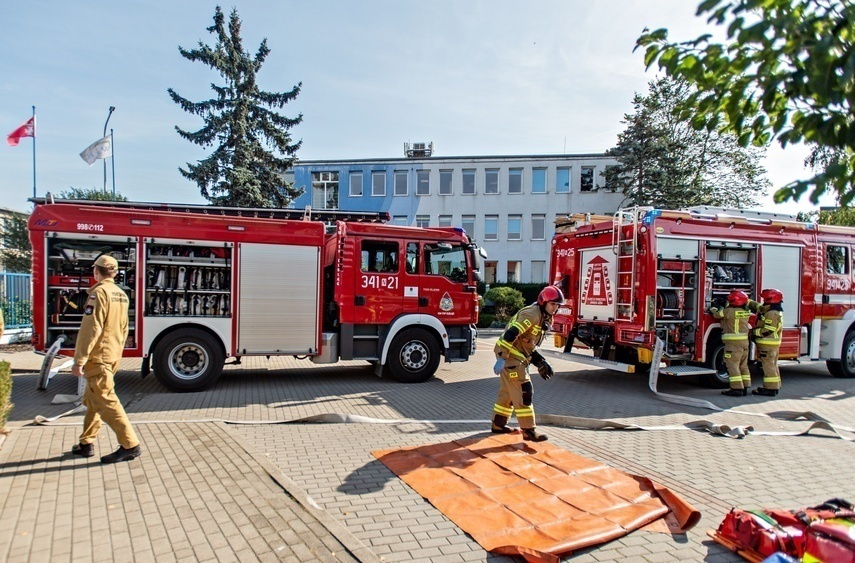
(545, 370)
(499, 366)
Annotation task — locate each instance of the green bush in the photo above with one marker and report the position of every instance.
(5, 393)
(507, 301)
(485, 320)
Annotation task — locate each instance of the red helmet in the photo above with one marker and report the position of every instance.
(737, 298)
(550, 294)
(772, 295)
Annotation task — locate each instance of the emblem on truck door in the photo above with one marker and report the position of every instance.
(446, 303)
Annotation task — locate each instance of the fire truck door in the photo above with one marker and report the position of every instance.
(379, 292)
(837, 283)
(443, 283)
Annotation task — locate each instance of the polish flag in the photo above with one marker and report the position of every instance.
(28, 129)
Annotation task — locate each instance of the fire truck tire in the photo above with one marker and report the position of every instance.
(847, 358)
(413, 356)
(188, 360)
(715, 360)
(834, 368)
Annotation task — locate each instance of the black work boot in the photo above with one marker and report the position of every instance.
(83, 450)
(531, 435)
(122, 454)
(735, 392)
(500, 425)
(765, 392)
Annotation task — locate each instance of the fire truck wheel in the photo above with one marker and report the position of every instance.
(413, 356)
(715, 360)
(847, 357)
(188, 360)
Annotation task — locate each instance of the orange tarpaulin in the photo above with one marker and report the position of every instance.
(533, 499)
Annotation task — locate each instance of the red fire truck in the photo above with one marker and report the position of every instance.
(209, 283)
(646, 274)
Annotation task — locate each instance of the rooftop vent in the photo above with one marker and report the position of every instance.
(418, 150)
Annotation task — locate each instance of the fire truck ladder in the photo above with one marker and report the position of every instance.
(307, 214)
(624, 245)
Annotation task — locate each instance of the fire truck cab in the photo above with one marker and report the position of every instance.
(209, 283)
(646, 274)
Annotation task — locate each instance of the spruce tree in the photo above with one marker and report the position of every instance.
(664, 162)
(253, 145)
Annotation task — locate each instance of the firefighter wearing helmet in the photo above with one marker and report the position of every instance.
(767, 338)
(734, 334)
(514, 351)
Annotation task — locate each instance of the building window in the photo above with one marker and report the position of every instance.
(538, 180)
(445, 221)
(445, 182)
(491, 227)
(356, 184)
(562, 181)
(587, 179)
(514, 227)
(490, 267)
(469, 181)
(468, 225)
(379, 256)
(378, 183)
(423, 221)
(401, 187)
(515, 181)
(422, 182)
(325, 190)
(513, 271)
(538, 227)
(400, 220)
(538, 271)
(491, 185)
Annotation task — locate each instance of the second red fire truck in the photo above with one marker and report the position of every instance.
(645, 273)
(209, 283)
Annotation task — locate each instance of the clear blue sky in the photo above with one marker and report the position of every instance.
(476, 77)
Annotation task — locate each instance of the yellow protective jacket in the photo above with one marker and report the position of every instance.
(529, 321)
(105, 325)
(734, 321)
(770, 323)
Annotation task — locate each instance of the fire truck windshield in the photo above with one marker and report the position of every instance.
(446, 260)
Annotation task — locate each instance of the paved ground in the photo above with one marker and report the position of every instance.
(208, 490)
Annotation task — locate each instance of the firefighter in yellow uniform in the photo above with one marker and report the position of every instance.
(100, 342)
(734, 334)
(514, 351)
(767, 338)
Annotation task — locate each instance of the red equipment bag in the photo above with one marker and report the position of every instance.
(821, 534)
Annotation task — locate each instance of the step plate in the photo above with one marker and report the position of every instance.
(685, 370)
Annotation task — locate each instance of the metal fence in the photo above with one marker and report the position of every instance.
(16, 300)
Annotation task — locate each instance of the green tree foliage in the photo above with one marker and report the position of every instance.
(16, 249)
(245, 169)
(507, 301)
(786, 71)
(92, 194)
(664, 162)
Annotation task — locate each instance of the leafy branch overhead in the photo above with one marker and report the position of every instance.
(253, 147)
(785, 72)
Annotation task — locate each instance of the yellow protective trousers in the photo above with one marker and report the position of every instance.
(102, 403)
(736, 360)
(515, 391)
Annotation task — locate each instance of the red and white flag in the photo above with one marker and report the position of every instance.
(28, 129)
